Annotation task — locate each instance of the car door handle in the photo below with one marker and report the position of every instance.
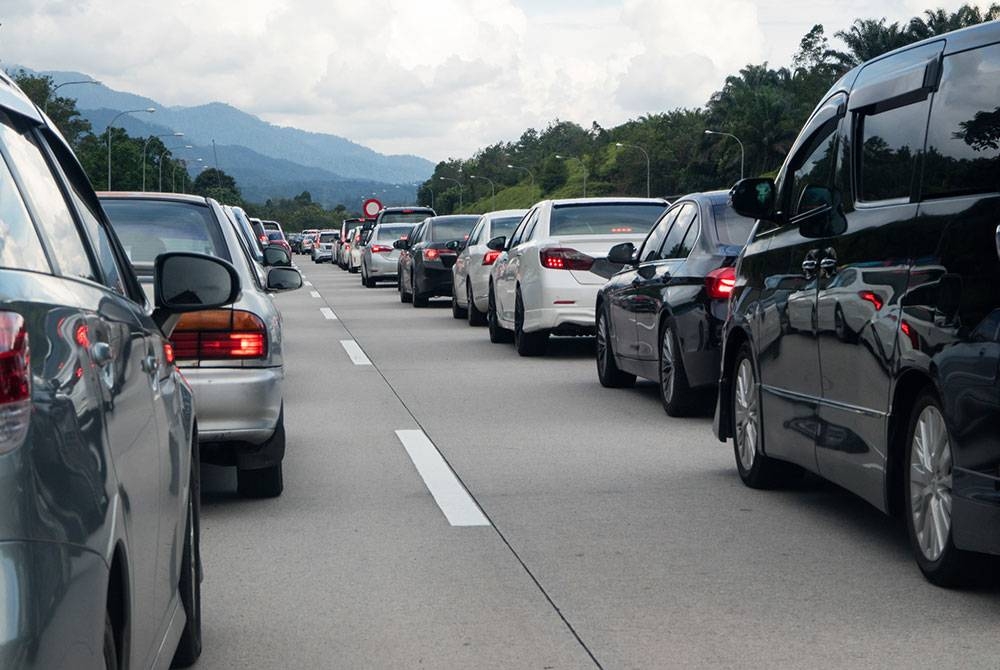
(828, 266)
(150, 364)
(100, 353)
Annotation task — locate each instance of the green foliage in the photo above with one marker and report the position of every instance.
(62, 110)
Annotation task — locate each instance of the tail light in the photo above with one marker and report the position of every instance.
(168, 353)
(436, 254)
(220, 334)
(720, 283)
(874, 298)
(347, 246)
(490, 257)
(15, 381)
(380, 248)
(565, 259)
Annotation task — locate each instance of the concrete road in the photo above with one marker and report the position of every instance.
(617, 537)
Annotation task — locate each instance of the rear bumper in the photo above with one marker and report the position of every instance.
(236, 404)
(382, 266)
(577, 317)
(432, 281)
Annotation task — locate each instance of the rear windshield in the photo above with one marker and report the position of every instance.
(731, 227)
(443, 230)
(605, 219)
(503, 226)
(405, 217)
(149, 228)
(393, 232)
(275, 235)
(329, 237)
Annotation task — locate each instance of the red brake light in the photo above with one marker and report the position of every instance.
(15, 381)
(220, 334)
(874, 298)
(720, 283)
(621, 229)
(565, 259)
(431, 254)
(168, 353)
(380, 248)
(490, 257)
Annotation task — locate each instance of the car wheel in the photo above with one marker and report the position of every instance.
(675, 392)
(456, 311)
(476, 318)
(527, 344)
(110, 648)
(756, 469)
(498, 334)
(189, 646)
(404, 297)
(352, 269)
(263, 482)
(608, 372)
(420, 300)
(928, 491)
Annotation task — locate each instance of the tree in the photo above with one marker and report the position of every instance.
(217, 184)
(62, 110)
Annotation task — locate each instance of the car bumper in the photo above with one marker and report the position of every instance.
(433, 281)
(236, 404)
(383, 266)
(574, 317)
(324, 255)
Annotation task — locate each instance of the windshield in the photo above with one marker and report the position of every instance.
(393, 232)
(405, 217)
(613, 218)
(149, 228)
(503, 226)
(452, 228)
(731, 227)
(328, 237)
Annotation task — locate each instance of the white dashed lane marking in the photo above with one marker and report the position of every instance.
(328, 313)
(449, 493)
(358, 356)
(314, 294)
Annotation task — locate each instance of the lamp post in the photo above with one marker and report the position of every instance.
(148, 110)
(432, 195)
(173, 183)
(742, 152)
(493, 189)
(461, 202)
(644, 153)
(146, 146)
(164, 153)
(518, 167)
(52, 91)
(574, 158)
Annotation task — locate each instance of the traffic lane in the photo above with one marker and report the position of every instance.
(640, 529)
(355, 565)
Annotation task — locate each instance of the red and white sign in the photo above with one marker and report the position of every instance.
(371, 208)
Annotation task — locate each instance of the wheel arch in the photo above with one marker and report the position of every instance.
(735, 339)
(908, 387)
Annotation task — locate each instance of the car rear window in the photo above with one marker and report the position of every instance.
(625, 218)
(148, 228)
(393, 232)
(443, 230)
(328, 237)
(405, 217)
(730, 227)
(503, 225)
(275, 235)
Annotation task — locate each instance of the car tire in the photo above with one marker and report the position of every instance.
(498, 334)
(928, 497)
(527, 344)
(756, 469)
(608, 372)
(420, 300)
(353, 270)
(475, 317)
(189, 647)
(110, 647)
(263, 482)
(456, 311)
(675, 392)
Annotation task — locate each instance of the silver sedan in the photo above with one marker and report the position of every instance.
(471, 271)
(379, 259)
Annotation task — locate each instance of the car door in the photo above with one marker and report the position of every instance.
(460, 271)
(506, 274)
(406, 260)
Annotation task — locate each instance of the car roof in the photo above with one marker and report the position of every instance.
(14, 99)
(152, 195)
(598, 201)
(505, 213)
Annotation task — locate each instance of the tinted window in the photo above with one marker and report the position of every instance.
(275, 235)
(963, 138)
(19, 245)
(443, 230)
(503, 225)
(813, 176)
(730, 227)
(518, 233)
(476, 232)
(393, 232)
(650, 250)
(327, 237)
(677, 243)
(891, 143)
(47, 201)
(400, 217)
(604, 219)
(148, 228)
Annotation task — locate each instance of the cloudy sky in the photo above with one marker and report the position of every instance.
(436, 78)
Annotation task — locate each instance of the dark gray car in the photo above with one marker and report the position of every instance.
(98, 465)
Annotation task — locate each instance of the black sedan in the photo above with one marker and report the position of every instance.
(428, 254)
(661, 317)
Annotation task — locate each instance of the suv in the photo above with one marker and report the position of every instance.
(322, 251)
(100, 539)
(410, 215)
(863, 340)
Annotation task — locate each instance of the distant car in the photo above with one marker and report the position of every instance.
(100, 540)
(232, 357)
(295, 240)
(410, 215)
(245, 228)
(357, 247)
(272, 226)
(322, 252)
(340, 250)
(427, 256)
(380, 259)
(344, 253)
(277, 237)
(308, 239)
(471, 272)
(547, 279)
(259, 231)
(660, 317)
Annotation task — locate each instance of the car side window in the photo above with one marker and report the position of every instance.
(812, 177)
(46, 200)
(891, 144)
(518, 235)
(20, 247)
(650, 250)
(476, 232)
(529, 232)
(673, 244)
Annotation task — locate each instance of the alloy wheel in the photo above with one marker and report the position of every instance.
(747, 415)
(667, 377)
(931, 483)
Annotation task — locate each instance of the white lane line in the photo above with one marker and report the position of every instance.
(307, 283)
(314, 294)
(354, 351)
(328, 313)
(456, 503)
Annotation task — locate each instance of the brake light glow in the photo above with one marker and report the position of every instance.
(873, 298)
(435, 254)
(720, 283)
(15, 381)
(380, 248)
(168, 353)
(558, 258)
(490, 257)
(220, 334)
(621, 229)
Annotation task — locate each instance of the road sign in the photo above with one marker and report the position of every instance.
(371, 208)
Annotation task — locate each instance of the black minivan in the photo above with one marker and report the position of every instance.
(862, 341)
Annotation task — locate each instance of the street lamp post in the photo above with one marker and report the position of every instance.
(742, 152)
(461, 202)
(184, 173)
(432, 195)
(146, 146)
(582, 164)
(51, 92)
(148, 110)
(530, 175)
(636, 146)
(493, 189)
(164, 153)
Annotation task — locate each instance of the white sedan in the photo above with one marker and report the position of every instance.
(471, 271)
(546, 280)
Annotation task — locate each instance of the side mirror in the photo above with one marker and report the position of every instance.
(401, 244)
(497, 243)
(188, 282)
(753, 198)
(455, 245)
(623, 254)
(275, 256)
(283, 279)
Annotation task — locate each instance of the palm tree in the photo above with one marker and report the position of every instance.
(939, 22)
(869, 38)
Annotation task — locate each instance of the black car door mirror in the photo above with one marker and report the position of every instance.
(497, 243)
(401, 244)
(189, 282)
(623, 254)
(283, 279)
(275, 256)
(753, 198)
(453, 245)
